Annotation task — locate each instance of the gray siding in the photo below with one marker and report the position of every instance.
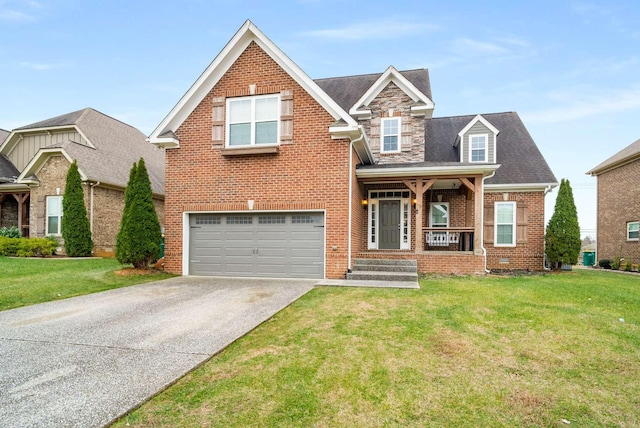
(479, 128)
(27, 148)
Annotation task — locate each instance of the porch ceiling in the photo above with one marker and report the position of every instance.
(425, 170)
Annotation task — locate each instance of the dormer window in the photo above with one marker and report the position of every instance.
(253, 120)
(478, 148)
(390, 135)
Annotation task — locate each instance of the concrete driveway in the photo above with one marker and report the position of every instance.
(84, 361)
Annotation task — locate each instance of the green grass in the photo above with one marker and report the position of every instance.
(26, 281)
(520, 351)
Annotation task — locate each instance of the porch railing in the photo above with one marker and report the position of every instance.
(448, 238)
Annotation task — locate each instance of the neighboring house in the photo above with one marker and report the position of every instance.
(619, 205)
(271, 173)
(35, 159)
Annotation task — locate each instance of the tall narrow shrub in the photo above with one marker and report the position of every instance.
(562, 238)
(140, 226)
(76, 230)
(123, 251)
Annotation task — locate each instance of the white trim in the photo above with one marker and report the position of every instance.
(482, 120)
(186, 230)
(252, 121)
(519, 187)
(495, 223)
(629, 223)
(427, 170)
(393, 75)
(486, 148)
(8, 145)
(374, 214)
(398, 134)
(46, 208)
(247, 33)
(38, 161)
(431, 204)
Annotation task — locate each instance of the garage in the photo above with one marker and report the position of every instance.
(276, 245)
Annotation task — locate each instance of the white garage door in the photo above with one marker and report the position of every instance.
(277, 245)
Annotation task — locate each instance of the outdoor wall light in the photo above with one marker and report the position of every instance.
(365, 202)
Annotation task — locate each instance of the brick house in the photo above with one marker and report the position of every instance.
(271, 173)
(619, 205)
(35, 159)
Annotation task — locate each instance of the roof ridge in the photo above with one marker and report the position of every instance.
(474, 114)
(106, 115)
(369, 74)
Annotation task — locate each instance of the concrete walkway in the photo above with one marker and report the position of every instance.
(84, 361)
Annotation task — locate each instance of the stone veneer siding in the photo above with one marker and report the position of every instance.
(618, 204)
(412, 138)
(107, 206)
(309, 173)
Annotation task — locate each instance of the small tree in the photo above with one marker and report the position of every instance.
(123, 250)
(562, 238)
(76, 230)
(140, 229)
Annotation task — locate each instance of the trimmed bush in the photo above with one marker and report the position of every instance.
(628, 266)
(562, 238)
(27, 247)
(605, 264)
(615, 263)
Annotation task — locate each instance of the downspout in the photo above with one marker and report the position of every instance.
(349, 226)
(544, 249)
(484, 250)
(91, 186)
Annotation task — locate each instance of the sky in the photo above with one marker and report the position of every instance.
(569, 68)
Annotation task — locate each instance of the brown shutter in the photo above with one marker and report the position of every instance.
(217, 126)
(488, 223)
(522, 223)
(406, 135)
(286, 116)
(40, 217)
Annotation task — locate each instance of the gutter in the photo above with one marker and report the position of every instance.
(91, 186)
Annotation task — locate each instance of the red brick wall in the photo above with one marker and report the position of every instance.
(310, 173)
(524, 256)
(618, 203)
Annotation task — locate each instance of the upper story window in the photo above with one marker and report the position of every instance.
(253, 120)
(633, 229)
(478, 148)
(390, 135)
(54, 215)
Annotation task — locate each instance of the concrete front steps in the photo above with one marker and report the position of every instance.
(384, 272)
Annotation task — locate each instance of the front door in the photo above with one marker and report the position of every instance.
(389, 225)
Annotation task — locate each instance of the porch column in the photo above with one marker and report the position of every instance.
(419, 189)
(21, 199)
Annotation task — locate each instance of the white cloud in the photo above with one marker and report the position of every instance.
(385, 29)
(41, 66)
(578, 106)
(19, 11)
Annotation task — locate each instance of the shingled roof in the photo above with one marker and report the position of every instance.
(520, 159)
(116, 146)
(632, 151)
(349, 89)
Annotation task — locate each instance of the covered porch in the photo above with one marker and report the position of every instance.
(435, 217)
(14, 210)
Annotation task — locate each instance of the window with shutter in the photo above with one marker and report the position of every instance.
(488, 224)
(522, 224)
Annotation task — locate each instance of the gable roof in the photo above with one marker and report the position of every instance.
(628, 154)
(223, 61)
(3, 135)
(347, 90)
(114, 147)
(8, 172)
(520, 159)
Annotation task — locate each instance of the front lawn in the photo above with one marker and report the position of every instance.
(26, 281)
(552, 350)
